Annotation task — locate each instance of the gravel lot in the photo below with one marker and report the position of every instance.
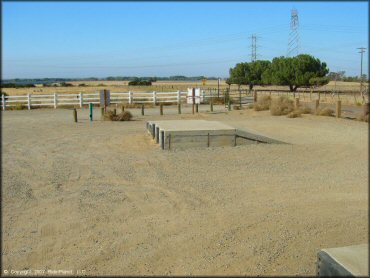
(102, 197)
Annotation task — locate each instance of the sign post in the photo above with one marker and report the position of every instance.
(193, 97)
(104, 99)
(91, 111)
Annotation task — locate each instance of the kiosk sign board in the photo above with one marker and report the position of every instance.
(104, 98)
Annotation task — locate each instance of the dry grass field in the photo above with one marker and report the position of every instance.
(102, 197)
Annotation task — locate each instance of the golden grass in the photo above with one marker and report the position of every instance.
(325, 112)
(281, 106)
(263, 103)
(124, 116)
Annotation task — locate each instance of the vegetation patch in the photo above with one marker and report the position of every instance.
(281, 106)
(295, 114)
(325, 112)
(124, 116)
(263, 103)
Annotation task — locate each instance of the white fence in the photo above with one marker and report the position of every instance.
(80, 99)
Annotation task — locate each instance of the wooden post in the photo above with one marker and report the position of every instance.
(142, 109)
(240, 99)
(81, 100)
(178, 97)
(196, 108)
(154, 98)
(130, 97)
(114, 112)
(75, 114)
(3, 101)
(91, 111)
(29, 101)
(179, 108)
(123, 108)
(211, 106)
(317, 103)
(105, 100)
(161, 109)
(366, 110)
(339, 108)
(193, 97)
(55, 100)
(254, 96)
(297, 102)
(102, 112)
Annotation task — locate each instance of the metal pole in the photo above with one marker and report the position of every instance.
(193, 96)
(218, 88)
(91, 111)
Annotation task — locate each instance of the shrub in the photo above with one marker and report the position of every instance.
(82, 85)
(124, 116)
(263, 103)
(363, 118)
(295, 114)
(325, 112)
(140, 83)
(217, 100)
(305, 110)
(281, 106)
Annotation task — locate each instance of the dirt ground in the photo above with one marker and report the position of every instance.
(102, 197)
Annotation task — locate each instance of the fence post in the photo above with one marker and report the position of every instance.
(178, 97)
(3, 101)
(142, 109)
(254, 96)
(179, 108)
(317, 103)
(339, 108)
(102, 112)
(29, 101)
(196, 108)
(154, 97)
(55, 100)
(193, 99)
(130, 97)
(161, 109)
(75, 114)
(81, 100)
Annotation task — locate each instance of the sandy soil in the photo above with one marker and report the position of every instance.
(102, 197)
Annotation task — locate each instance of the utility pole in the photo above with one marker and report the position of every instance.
(362, 51)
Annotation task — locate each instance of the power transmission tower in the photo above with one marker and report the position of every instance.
(253, 48)
(293, 43)
(362, 51)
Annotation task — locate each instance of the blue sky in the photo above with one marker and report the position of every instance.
(86, 39)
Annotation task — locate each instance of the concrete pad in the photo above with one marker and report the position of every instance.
(344, 261)
(253, 135)
(184, 134)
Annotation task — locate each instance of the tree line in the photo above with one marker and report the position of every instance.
(300, 71)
